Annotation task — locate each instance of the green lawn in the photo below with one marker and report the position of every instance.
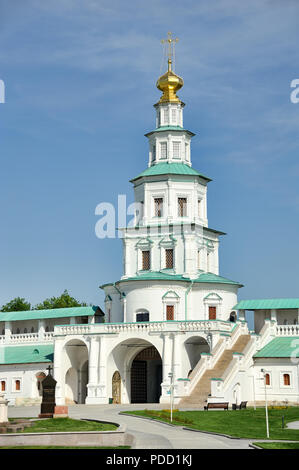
(247, 423)
(277, 445)
(68, 424)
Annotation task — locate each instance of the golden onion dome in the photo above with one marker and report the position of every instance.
(169, 83)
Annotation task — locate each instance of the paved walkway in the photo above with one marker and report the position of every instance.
(148, 434)
(293, 425)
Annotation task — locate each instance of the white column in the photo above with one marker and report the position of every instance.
(58, 372)
(92, 370)
(102, 361)
(8, 331)
(167, 365)
(177, 357)
(93, 360)
(167, 353)
(102, 370)
(41, 330)
(124, 300)
(274, 315)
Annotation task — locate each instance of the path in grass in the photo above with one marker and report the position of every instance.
(68, 425)
(247, 424)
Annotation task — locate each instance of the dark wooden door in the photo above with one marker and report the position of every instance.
(139, 382)
(169, 312)
(212, 313)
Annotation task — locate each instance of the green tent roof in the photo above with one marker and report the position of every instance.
(166, 168)
(27, 354)
(285, 346)
(163, 276)
(267, 304)
(48, 313)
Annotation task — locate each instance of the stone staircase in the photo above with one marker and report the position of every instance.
(202, 389)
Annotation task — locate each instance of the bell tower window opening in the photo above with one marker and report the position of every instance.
(173, 116)
(163, 150)
(186, 152)
(169, 258)
(154, 153)
(176, 149)
(182, 206)
(146, 260)
(199, 207)
(158, 118)
(166, 116)
(159, 207)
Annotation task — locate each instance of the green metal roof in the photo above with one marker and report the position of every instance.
(27, 354)
(210, 277)
(285, 346)
(48, 313)
(165, 168)
(267, 304)
(161, 276)
(169, 128)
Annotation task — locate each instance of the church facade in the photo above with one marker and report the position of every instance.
(172, 323)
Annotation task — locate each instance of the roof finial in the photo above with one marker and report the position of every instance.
(170, 83)
(171, 48)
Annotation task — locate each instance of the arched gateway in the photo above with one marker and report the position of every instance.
(146, 376)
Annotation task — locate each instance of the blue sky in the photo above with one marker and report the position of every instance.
(80, 84)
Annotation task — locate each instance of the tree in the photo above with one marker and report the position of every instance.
(64, 301)
(16, 305)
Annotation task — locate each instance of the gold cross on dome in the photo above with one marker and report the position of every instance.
(171, 44)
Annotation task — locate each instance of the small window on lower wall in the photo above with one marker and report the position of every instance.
(17, 385)
(267, 378)
(3, 386)
(286, 379)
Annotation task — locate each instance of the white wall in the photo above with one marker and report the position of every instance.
(26, 373)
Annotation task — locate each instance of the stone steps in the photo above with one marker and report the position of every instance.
(202, 389)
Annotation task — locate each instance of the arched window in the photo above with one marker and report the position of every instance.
(47, 329)
(25, 330)
(142, 315)
(3, 385)
(286, 379)
(18, 385)
(233, 317)
(18, 331)
(3, 332)
(32, 330)
(267, 378)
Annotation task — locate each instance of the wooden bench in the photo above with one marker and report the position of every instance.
(216, 405)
